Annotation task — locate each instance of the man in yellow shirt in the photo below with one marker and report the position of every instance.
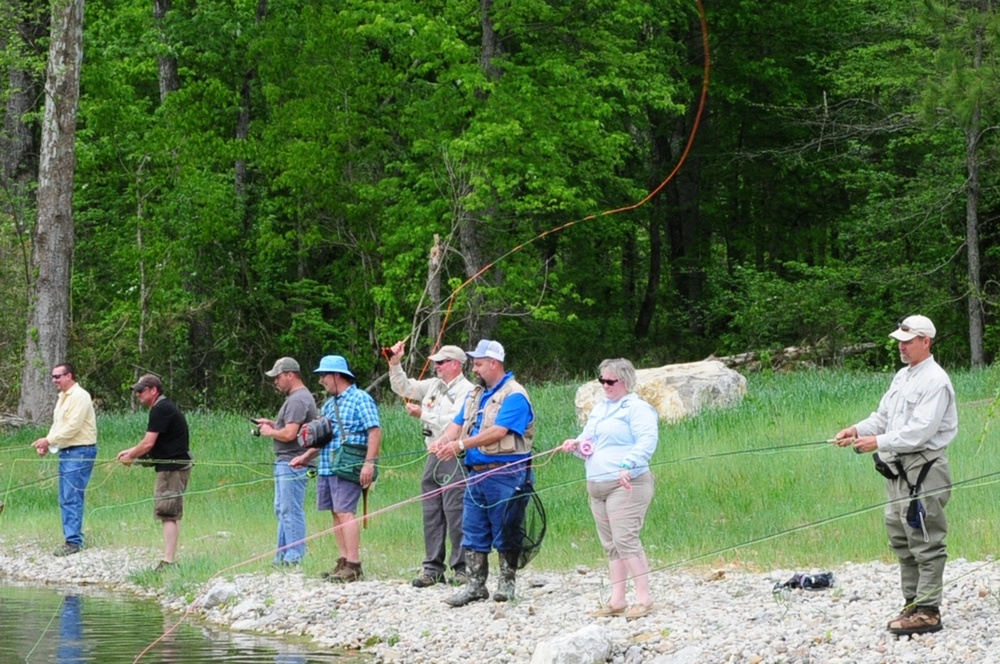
(74, 435)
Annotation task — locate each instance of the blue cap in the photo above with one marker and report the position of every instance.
(333, 364)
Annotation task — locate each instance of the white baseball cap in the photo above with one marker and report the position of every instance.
(487, 348)
(914, 326)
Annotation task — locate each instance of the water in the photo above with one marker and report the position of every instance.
(70, 626)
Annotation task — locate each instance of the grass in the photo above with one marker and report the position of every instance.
(739, 486)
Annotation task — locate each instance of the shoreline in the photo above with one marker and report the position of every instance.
(726, 615)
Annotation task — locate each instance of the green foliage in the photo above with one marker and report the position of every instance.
(822, 199)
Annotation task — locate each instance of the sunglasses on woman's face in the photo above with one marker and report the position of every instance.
(607, 381)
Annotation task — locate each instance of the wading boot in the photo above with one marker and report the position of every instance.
(924, 620)
(909, 608)
(508, 573)
(477, 567)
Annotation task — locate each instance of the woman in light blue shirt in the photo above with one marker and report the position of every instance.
(616, 444)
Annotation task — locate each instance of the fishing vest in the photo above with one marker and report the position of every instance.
(512, 443)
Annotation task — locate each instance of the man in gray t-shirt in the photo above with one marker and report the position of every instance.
(289, 483)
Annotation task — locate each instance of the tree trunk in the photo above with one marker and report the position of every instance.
(18, 148)
(479, 324)
(434, 262)
(490, 45)
(243, 123)
(52, 250)
(974, 304)
(169, 79)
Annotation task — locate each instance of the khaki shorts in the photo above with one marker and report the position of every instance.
(168, 496)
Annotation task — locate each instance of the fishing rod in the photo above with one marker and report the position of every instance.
(47, 478)
(696, 124)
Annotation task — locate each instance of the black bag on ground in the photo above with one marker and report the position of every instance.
(819, 581)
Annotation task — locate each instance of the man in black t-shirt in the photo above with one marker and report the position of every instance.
(165, 447)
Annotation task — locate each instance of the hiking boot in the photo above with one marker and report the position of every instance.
(923, 620)
(426, 580)
(460, 579)
(349, 573)
(478, 567)
(508, 574)
(66, 549)
(336, 569)
(909, 608)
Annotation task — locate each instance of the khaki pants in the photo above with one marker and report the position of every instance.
(619, 514)
(921, 563)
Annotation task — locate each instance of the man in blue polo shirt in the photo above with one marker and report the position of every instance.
(495, 428)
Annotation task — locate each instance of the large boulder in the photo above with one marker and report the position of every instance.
(676, 390)
(590, 645)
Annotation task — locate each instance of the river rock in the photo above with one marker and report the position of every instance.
(731, 615)
(219, 594)
(676, 391)
(590, 645)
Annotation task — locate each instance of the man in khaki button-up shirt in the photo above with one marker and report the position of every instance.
(436, 402)
(74, 434)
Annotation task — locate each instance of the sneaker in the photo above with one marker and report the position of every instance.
(349, 573)
(922, 620)
(66, 549)
(426, 580)
(162, 565)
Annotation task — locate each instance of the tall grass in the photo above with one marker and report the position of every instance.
(752, 485)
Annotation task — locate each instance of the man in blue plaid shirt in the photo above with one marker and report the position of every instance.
(357, 434)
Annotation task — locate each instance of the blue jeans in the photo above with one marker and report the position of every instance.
(490, 517)
(289, 507)
(70, 648)
(75, 466)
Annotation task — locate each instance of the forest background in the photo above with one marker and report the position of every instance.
(261, 178)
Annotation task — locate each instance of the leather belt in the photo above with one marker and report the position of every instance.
(486, 466)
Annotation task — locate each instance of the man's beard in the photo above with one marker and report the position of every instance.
(481, 381)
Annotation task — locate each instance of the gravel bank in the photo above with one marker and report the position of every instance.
(723, 616)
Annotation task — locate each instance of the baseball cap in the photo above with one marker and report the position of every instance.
(487, 348)
(282, 365)
(333, 364)
(914, 326)
(448, 353)
(148, 380)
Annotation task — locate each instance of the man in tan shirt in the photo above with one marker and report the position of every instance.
(435, 403)
(73, 435)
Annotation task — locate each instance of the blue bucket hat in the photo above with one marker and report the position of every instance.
(333, 364)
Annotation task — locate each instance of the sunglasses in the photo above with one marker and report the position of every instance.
(58, 376)
(607, 381)
(440, 362)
